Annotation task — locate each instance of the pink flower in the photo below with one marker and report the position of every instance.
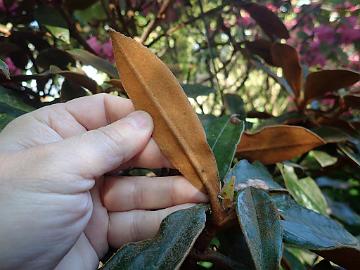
(107, 51)
(290, 23)
(245, 20)
(103, 50)
(94, 44)
(325, 33)
(12, 68)
(349, 30)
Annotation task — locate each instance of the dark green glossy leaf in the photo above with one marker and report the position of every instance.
(344, 213)
(307, 229)
(195, 90)
(223, 135)
(260, 224)
(247, 174)
(233, 245)
(4, 69)
(55, 23)
(168, 249)
(11, 106)
(331, 134)
(304, 191)
(235, 105)
(100, 64)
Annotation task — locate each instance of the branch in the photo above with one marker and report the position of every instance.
(159, 16)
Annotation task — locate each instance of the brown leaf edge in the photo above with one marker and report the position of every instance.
(274, 144)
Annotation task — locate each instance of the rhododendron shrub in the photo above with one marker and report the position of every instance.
(275, 85)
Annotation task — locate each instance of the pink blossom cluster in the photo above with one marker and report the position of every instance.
(104, 50)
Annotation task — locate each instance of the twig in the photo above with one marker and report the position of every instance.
(73, 30)
(159, 16)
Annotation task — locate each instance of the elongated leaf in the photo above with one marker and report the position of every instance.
(321, 82)
(277, 143)
(331, 134)
(304, 191)
(307, 229)
(292, 261)
(195, 90)
(100, 64)
(260, 224)
(323, 158)
(287, 58)
(177, 130)
(355, 157)
(223, 135)
(267, 20)
(70, 90)
(261, 47)
(247, 174)
(344, 213)
(11, 106)
(168, 249)
(235, 105)
(4, 69)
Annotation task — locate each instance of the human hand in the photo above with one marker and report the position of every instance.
(57, 208)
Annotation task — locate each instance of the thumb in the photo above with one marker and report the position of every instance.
(99, 151)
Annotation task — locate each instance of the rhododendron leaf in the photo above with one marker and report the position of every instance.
(223, 135)
(177, 130)
(168, 249)
(247, 174)
(324, 81)
(195, 90)
(260, 223)
(307, 229)
(87, 58)
(304, 191)
(235, 104)
(261, 47)
(267, 20)
(287, 58)
(277, 143)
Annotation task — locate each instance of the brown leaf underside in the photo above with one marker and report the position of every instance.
(177, 130)
(277, 143)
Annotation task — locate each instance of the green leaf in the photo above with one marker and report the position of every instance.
(355, 157)
(168, 249)
(11, 106)
(246, 174)
(223, 135)
(260, 224)
(4, 69)
(331, 134)
(292, 261)
(304, 191)
(235, 105)
(323, 158)
(100, 64)
(307, 229)
(53, 21)
(195, 90)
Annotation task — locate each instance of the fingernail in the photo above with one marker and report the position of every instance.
(139, 119)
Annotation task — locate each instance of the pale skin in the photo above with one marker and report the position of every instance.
(59, 205)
